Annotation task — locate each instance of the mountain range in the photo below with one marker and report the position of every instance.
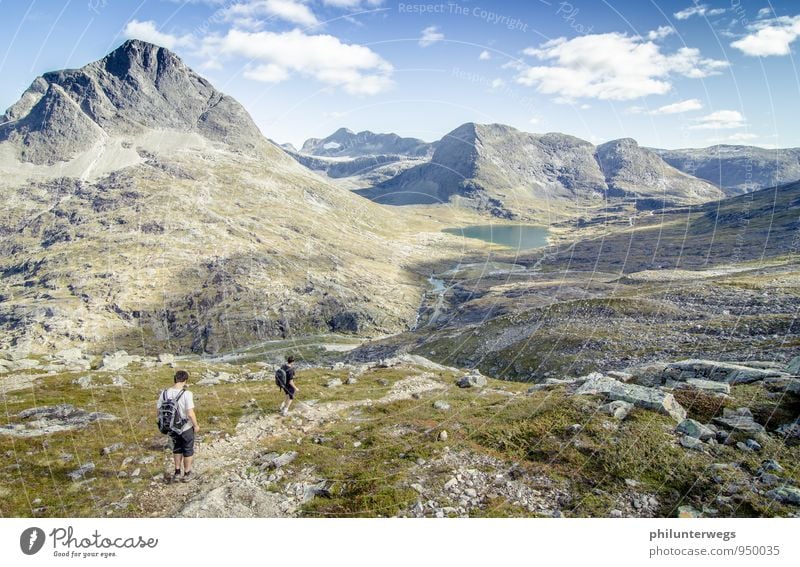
(144, 207)
(501, 169)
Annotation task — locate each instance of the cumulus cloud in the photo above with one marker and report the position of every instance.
(679, 107)
(698, 10)
(719, 120)
(610, 66)
(147, 31)
(485, 55)
(770, 37)
(430, 35)
(660, 33)
(764, 12)
(251, 15)
(278, 56)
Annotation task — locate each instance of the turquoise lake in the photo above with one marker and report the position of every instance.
(517, 236)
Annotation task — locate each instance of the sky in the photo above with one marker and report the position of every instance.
(671, 74)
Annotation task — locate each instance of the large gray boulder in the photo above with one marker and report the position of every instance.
(740, 420)
(793, 367)
(718, 371)
(640, 396)
(472, 380)
(699, 384)
(118, 361)
(695, 429)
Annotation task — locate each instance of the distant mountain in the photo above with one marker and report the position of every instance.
(346, 143)
(500, 169)
(631, 170)
(143, 209)
(137, 87)
(737, 169)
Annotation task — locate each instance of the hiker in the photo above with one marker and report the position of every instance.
(284, 377)
(176, 418)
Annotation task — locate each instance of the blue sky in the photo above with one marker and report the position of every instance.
(667, 73)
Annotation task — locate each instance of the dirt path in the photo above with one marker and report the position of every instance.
(224, 487)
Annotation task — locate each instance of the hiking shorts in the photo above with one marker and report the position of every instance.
(183, 444)
(289, 389)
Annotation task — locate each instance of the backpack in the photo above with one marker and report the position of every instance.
(280, 378)
(169, 418)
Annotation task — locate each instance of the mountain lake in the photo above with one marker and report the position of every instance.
(516, 236)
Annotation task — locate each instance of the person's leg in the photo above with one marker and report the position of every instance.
(188, 453)
(177, 457)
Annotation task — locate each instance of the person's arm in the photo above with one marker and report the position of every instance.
(293, 385)
(190, 412)
(193, 419)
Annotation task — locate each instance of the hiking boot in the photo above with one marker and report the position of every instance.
(187, 476)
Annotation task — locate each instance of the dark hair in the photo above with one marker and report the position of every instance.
(290, 359)
(181, 376)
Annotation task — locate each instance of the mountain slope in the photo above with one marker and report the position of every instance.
(737, 169)
(505, 171)
(135, 220)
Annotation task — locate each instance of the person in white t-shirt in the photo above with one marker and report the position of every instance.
(183, 442)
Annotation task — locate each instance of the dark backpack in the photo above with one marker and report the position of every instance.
(169, 418)
(280, 378)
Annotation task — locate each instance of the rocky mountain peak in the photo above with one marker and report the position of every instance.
(137, 87)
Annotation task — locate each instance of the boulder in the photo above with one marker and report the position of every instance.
(596, 384)
(215, 378)
(689, 512)
(640, 396)
(740, 420)
(785, 494)
(120, 382)
(695, 429)
(472, 380)
(700, 384)
(691, 443)
(81, 472)
(166, 358)
(52, 419)
(717, 371)
(117, 361)
(621, 376)
(85, 382)
(73, 358)
(333, 383)
(793, 367)
(441, 405)
(619, 409)
(274, 460)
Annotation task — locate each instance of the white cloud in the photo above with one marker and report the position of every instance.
(660, 33)
(764, 12)
(277, 56)
(770, 37)
(352, 3)
(249, 14)
(698, 10)
(679, 107)
(146, 31)
(610, 66)
(534, 121)
(485, 55)
(430, 35)
(497, 83)
(719, 120)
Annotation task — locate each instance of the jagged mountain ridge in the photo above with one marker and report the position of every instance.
(737, 169)
(501, 169)
(346, 143)
(137, 87)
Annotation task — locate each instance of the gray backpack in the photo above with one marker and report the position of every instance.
(169, 418)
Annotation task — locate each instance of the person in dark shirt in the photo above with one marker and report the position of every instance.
(288, 387)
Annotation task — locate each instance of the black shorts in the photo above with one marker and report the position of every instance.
(289, 389)
(183, 443)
